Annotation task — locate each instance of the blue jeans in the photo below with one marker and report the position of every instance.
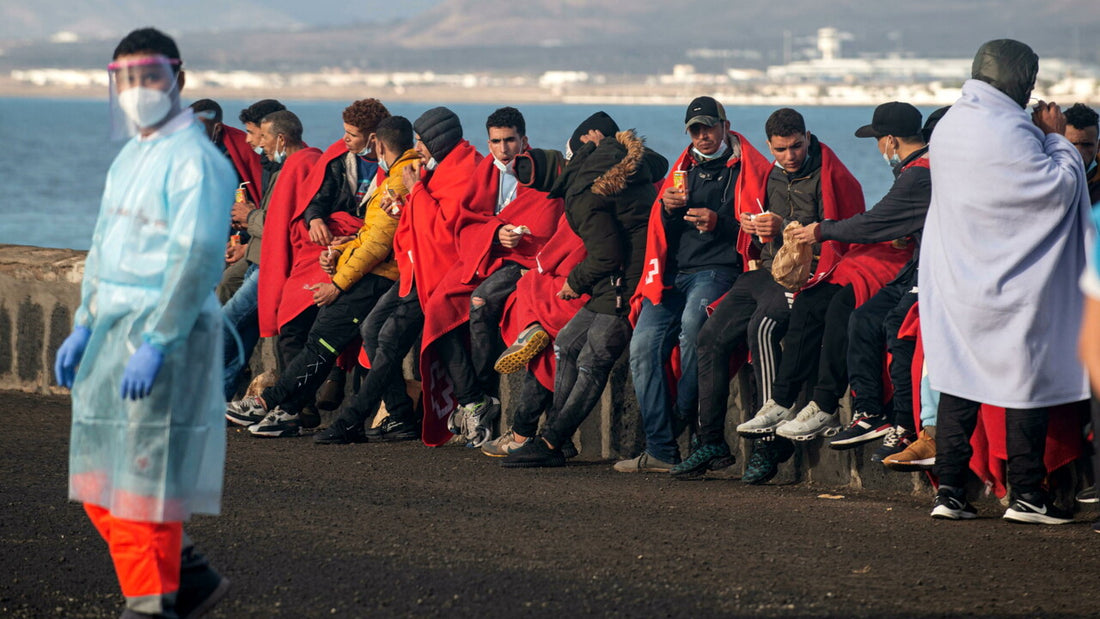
(677, 320)
(241, 314)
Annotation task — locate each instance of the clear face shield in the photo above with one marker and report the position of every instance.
(144, 93)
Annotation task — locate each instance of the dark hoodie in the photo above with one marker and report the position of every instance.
(1009, 66)
(609, 191)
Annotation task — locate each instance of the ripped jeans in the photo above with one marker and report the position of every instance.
(586, 349)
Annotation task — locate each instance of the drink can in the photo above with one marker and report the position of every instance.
(679, 179)
(241, 195)
(235, 238)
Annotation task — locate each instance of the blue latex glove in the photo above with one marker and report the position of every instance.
(69, 355)
(141, 371)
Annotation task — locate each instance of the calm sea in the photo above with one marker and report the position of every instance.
(54, 153)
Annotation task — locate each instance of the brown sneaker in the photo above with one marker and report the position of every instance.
(527, 346)
(920, 456)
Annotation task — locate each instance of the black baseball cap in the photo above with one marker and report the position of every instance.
(894, 118)
(704, 111)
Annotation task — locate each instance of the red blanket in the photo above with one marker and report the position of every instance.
(536, 297)
(1064, 442)
(424, 244)
(425, 249)
(290, 260)
(448, 305)
(750, 182)
(245, 160)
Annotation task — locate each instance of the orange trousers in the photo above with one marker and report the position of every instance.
(146, 555)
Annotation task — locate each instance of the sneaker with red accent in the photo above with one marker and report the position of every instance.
(863, 429)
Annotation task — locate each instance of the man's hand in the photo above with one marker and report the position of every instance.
(234, 253)
(768, 224)
(1049, 118)
(409, 176)
(240, 212)
(567, 293)
(748, 224)
(391, 206)
(808, 234)
(508, 236)
(704, 219)
(340, 240)
(329, 258)
(324, 293)
(673, 198)
(319, 232)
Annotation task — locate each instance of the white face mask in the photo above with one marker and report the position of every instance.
(259, 150)
(700, 157)
(431, 164)
(383, 164)
(365, 151)
(505, 168)
(145, 106)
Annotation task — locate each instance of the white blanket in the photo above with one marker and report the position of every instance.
(1004, 244)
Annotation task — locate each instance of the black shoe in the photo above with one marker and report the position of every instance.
(952, 505)
(1036, 508)
(535, 454)
(308, 417)
(569, 450)
(391, 430)
(201, 587)
(1096, 527)
(863, 429)
(704, 458)
(767, 454)
(340, 433)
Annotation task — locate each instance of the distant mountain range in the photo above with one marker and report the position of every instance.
(609, 36)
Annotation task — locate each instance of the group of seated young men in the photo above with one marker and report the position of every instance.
(555, 264)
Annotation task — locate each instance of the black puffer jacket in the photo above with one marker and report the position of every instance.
(609, 191)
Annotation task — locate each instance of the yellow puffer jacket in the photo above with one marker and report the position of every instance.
(371, 251)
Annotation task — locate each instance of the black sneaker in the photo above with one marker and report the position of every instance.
(340, 433)
(894, 441)
(951, 505)
(1088, 495)
(309, 417)
(535, 454)
(1036, 508)
(704, 458)
(1096, 527)
(200, 586)
(864, 428)
(569, 450)
(391, 430)
(767, 455)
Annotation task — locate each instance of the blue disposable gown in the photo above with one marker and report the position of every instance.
(155, 259)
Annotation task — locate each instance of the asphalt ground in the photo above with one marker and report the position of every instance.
(383, 530)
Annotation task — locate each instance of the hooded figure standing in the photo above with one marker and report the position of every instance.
(1003, 248)
(144, 358)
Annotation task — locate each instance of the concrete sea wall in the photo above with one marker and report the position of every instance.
(40, 291)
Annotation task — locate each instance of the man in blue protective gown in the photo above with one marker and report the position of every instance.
(144, 359)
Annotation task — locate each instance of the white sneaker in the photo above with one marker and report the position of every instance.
(767, 419)
(810, 423)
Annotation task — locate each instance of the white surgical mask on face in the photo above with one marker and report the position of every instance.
(700, 157)
(383, 164)
(365, 151)
(259, 150)
(505, 168)
(430, 165)
(145, 106)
